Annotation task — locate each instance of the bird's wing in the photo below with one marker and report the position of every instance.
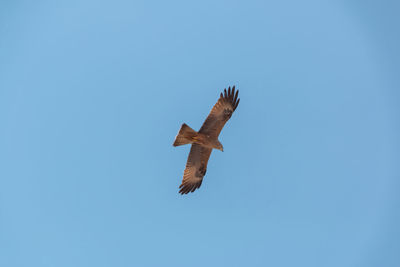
(220, 113)
(196, 168)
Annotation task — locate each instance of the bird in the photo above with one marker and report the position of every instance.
(205, 140)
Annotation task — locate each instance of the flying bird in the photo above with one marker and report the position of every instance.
(205, 140)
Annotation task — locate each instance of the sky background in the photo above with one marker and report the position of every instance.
(92, 94)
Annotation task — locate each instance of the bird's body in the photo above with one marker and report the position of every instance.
(205, 140)
(187, 135)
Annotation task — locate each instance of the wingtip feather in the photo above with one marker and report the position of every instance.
(237, 103)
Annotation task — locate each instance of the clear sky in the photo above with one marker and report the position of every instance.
(92, 94)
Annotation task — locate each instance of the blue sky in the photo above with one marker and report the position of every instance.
(92, 94)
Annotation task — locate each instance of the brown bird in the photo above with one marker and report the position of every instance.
(205, 140)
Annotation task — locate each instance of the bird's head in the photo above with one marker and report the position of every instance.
(219, 146)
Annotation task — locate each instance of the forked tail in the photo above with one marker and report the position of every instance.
(185, 136)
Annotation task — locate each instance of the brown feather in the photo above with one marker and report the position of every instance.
(196, 167)
(220, 113)
(199, 155)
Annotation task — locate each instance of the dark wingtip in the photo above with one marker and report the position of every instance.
(236, 104)
(230, 96)
(236, 96)
(189, 187)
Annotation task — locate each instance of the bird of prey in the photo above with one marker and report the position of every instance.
(205, 140)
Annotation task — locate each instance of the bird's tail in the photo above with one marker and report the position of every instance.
(185, 135)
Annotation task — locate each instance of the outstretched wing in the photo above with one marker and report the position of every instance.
(220, 113)
(196, 168)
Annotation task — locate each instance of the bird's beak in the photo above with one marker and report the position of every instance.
(222, 149)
